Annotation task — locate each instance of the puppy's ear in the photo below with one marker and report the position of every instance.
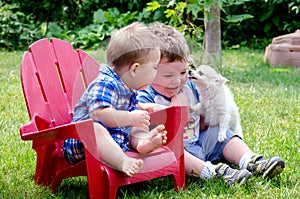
(221, 80)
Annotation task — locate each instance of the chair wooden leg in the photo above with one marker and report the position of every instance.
(44, 165)
(99, 188)
(113, 192)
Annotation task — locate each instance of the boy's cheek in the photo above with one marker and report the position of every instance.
(159, 80)
(159, 85)
(185, 77)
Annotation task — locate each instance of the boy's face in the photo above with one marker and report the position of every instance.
(170, 77)
(147, 71)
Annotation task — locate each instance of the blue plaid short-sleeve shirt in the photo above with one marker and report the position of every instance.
(107, 90)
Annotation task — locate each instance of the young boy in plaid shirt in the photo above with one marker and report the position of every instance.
(120, 123)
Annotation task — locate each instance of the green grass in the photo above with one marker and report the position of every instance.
(269, 101)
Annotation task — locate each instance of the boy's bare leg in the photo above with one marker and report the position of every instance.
(234, 150)
(110, 153)
(146, 141)
(193, 165)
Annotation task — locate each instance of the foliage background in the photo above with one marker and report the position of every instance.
(88, 23)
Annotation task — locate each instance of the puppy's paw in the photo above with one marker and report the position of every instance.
(196, 108)
(222, 137)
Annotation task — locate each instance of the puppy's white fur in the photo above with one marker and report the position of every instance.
(217, 104)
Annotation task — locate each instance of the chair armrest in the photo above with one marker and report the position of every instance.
(36, 123)
(55, 133)
(174, 118)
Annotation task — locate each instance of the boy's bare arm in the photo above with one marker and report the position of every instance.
(111, 117)
(151, 107)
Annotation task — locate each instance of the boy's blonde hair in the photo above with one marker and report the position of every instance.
(173, 45)
(131, 44)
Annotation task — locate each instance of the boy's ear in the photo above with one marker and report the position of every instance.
(132, 69)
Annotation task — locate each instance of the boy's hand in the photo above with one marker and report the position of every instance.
(151, 107)
(140, 118)
(146, 106)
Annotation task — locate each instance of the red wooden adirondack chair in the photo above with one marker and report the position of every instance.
(53, 77)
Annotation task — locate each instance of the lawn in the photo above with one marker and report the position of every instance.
(269, 101)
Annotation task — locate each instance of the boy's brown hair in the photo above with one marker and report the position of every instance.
(173, 45)
(131, 44)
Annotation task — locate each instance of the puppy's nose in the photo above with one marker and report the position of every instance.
(190, 75)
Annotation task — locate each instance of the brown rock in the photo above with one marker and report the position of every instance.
(284, 50)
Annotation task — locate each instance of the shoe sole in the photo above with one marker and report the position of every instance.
(245, 178)
(240, 180)
(274, 169)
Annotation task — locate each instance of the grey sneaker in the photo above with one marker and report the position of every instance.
(266, 167)
(230, 175)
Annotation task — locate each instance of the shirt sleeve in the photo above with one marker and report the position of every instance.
(102, 94)
(145, 96)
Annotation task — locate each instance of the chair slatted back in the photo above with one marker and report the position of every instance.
(53, 79)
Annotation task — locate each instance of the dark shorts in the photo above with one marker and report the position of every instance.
(207, 148)
(74, 149)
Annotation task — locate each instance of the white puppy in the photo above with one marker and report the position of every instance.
(217, 104)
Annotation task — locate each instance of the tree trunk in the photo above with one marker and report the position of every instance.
(212, 38)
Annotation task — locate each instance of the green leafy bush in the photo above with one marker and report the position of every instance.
(272, 18)
(87, 23)
(104, 22)
(16, 28)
